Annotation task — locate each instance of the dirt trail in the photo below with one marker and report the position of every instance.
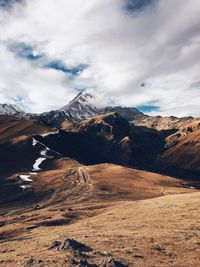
(79, 180)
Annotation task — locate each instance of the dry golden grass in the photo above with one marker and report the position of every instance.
(113, 209)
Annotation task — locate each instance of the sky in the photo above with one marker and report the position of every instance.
(141, 53)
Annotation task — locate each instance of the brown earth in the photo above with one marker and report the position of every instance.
(184, 155)
(169, 123)
(11, 127)
(103, 207)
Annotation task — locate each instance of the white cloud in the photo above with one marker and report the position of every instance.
(158, 46)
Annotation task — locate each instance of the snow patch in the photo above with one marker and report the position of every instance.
(38, 162)
(25, 186)
(43, 153)
(34, 143)
(49, 133)
(25, 178)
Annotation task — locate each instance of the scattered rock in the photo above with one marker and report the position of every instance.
(73, 245)
(2, 213)
(33, 262)
(170, 254)
(56, 245)
(139, 256)
(36, 207)
(70, 209)
(159, 248)
(110, 262)
(30, 227)
(2, 224)
(84, 262)
(80, 254)
(29, 262)
(58, 222)
(7, 250)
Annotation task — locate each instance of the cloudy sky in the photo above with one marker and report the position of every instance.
(143, 53)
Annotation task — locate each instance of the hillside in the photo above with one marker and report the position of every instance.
(153, 232)
(183, 157)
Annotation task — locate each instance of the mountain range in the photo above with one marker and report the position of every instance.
(6, 109)
(77, 184)
(154, 143)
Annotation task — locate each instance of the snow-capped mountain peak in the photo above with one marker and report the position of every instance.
(81, 107)
(6, 109)
(86, 105)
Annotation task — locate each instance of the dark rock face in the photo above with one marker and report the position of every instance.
(92, 141)
(127, 113)
(107, 138)
(111, 126)
(55, 118)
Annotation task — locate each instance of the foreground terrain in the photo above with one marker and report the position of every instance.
(128, 216)
(158, 232)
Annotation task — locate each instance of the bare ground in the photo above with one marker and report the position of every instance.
(136, 217)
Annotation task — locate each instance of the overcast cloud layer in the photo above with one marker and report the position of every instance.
(136, 53)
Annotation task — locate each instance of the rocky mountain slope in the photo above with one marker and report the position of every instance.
(6, 109)
(167, 123)
(182, 157)
(81, 107)
(119, 135)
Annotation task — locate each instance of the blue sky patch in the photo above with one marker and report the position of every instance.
(147, 108)
(137, 5)
(29, 53)
(8, 3)
(25, 51)
(60, 66)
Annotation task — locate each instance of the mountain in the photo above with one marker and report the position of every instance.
(84, 106)
(6, 109)
(128, 113)
(81, 107)
(55, 118)
(168, 123)
(180, 155)
(116, 134)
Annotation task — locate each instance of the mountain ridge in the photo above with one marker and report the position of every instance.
(10, 109)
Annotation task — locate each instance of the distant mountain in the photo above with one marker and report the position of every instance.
(84, 106)
(55, 118)
(6, 109)
(128, 113)
(81, 107)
